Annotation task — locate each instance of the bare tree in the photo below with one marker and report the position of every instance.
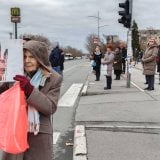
(38, 38)
(73, 51)
(90, 46)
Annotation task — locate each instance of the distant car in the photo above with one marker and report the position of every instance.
(78, 57)
(68, 56)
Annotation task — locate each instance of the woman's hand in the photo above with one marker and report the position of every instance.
(24, 84)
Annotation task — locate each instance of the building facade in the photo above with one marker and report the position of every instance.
(144, 35)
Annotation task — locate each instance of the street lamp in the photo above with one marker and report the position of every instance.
(98, 18)
(98, 26)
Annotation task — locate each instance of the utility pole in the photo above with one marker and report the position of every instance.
(126, 20)
(98, 18)
(129, 47)
(98, 25)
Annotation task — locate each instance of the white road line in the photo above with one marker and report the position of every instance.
(142, 90)
(66, 70)
(125, 127)
(69, 98)
(55, 137)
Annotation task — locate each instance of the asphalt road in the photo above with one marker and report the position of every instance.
(76, 71)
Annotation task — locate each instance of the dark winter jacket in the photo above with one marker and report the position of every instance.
(124, 53)
(97, 59)
(118, 61)
(55, 56)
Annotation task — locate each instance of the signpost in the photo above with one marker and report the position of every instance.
(15, 18)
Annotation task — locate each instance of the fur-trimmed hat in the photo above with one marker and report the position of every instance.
(39, 51)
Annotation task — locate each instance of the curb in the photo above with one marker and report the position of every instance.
(80, 143)
(85, 87)
(84, 90)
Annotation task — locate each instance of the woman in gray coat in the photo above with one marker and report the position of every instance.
(42, 89)
(108, 60)
(149, 62)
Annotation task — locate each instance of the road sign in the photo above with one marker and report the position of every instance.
(15, 11)
(16, 19)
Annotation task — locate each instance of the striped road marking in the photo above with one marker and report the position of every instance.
(66, 70)
(55, 137)
(69, 98)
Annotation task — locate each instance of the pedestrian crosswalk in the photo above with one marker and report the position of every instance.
(55, 137)
(69, 98)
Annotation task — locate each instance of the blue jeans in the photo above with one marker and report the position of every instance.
(150, 79)
(57, 69)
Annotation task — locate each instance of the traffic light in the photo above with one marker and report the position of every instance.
(126, 14)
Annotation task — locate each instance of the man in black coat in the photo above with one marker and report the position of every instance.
(123, 51)
(55, 57)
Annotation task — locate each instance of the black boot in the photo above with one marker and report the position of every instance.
(109, 82)
(116, 77)
(119, 77)
(105, 88)
(97, 76)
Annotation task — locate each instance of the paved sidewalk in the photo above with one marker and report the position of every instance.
(118, 124)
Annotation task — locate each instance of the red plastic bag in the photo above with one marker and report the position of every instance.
(13, 120)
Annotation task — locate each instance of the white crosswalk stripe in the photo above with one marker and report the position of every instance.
(69, 98)
(55, 137)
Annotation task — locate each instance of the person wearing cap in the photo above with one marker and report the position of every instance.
(41, 86)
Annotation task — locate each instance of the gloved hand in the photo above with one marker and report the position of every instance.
(24, 84)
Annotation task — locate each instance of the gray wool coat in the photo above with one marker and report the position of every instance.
(108, 59)
(149, 60)
(45, 101)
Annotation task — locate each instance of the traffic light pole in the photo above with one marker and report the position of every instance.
(129, 58)
(129, 49)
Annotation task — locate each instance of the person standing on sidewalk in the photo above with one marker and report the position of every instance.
(140, 57)
(42, 89)
(61, 63)
(149, 62)
(123, 51)
(108, 60)
(117, 64)
(158, 62)
(97, 55)
(55, 56)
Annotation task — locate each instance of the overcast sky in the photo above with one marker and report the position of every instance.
(68, 21)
